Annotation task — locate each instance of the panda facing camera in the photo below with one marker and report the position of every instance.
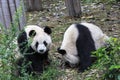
(34, 43)
(79, 41)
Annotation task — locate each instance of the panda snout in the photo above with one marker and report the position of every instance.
(41, 48)
(41, 51)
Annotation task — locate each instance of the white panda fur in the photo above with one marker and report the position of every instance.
(40, 37)
(98, 36)
(69, 49)
(30, 41)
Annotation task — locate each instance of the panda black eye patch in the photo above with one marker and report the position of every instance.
(45, 43)
(36, 45)
(32, 33)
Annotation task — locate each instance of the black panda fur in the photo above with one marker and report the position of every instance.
(85, 45)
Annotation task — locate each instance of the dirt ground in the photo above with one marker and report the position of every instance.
(106, 16)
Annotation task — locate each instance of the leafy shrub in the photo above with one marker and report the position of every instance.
(109, 59)
(7, 48)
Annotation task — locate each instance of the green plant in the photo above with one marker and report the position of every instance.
(109, 59)
(7, 49)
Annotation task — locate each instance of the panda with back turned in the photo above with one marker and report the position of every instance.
(79, 41)
(34, 43)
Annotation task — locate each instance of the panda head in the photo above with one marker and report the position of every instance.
(41, 39)
(35, 37)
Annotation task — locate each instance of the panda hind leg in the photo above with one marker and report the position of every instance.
(85, 62)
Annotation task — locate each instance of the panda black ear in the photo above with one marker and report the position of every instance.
(61, 51)
(32, 33)
(47, 30)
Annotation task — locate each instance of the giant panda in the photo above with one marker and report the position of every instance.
(33, 44)
(79, 41)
